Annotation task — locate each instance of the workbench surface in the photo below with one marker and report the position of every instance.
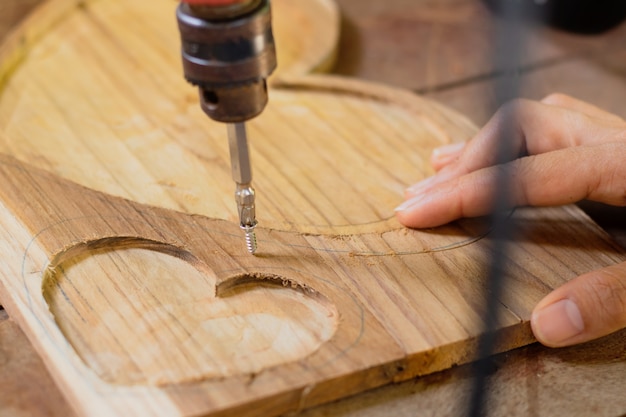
(440, 50)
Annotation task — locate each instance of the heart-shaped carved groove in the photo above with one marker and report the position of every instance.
(140, 312)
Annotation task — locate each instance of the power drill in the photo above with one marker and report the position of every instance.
(228, 52)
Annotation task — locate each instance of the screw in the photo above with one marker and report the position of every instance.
(251, 242)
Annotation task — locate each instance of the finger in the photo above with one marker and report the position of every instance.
(530, 128)
(446, 154)
(521, 120)
(562, 177)
(588, 307)
(571, 103)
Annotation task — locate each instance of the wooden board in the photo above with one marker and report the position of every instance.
(444, 50)
(26, 388)
(140, 297)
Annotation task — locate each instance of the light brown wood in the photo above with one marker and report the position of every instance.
(132, 333)
(140, 310)
(308, 32)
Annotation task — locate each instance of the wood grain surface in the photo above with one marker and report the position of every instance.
(545, 370)
(26, 387)
(147, 311)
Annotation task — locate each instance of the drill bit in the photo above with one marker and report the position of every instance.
(242, 174)
(228, 52)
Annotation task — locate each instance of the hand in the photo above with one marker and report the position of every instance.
(564, 150)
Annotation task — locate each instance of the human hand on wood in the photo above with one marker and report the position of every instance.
(563, 151)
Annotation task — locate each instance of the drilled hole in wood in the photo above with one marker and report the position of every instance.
(145, 313)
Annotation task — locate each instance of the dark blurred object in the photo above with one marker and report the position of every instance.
(578, 16)
(610, 218)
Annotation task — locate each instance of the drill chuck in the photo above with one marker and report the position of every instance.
(228, 52)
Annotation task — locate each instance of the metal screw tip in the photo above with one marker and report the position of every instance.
(251, 242)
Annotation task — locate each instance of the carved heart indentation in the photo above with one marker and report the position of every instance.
(146, 313)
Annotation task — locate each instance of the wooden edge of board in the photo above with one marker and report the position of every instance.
(23, 37)
(19, 42)
(326, 51)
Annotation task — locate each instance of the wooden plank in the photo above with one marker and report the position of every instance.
(426, 46)
(598, 80)
(577, 381)
(26, 388)
(388, 303)
(119, 299)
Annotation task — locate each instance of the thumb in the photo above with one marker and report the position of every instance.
(586, 308)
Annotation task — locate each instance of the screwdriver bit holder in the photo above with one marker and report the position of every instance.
(228, 52)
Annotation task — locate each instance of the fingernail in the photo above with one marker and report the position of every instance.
(447, 150)
(418, 187)
(410, 204)
(557, 322)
